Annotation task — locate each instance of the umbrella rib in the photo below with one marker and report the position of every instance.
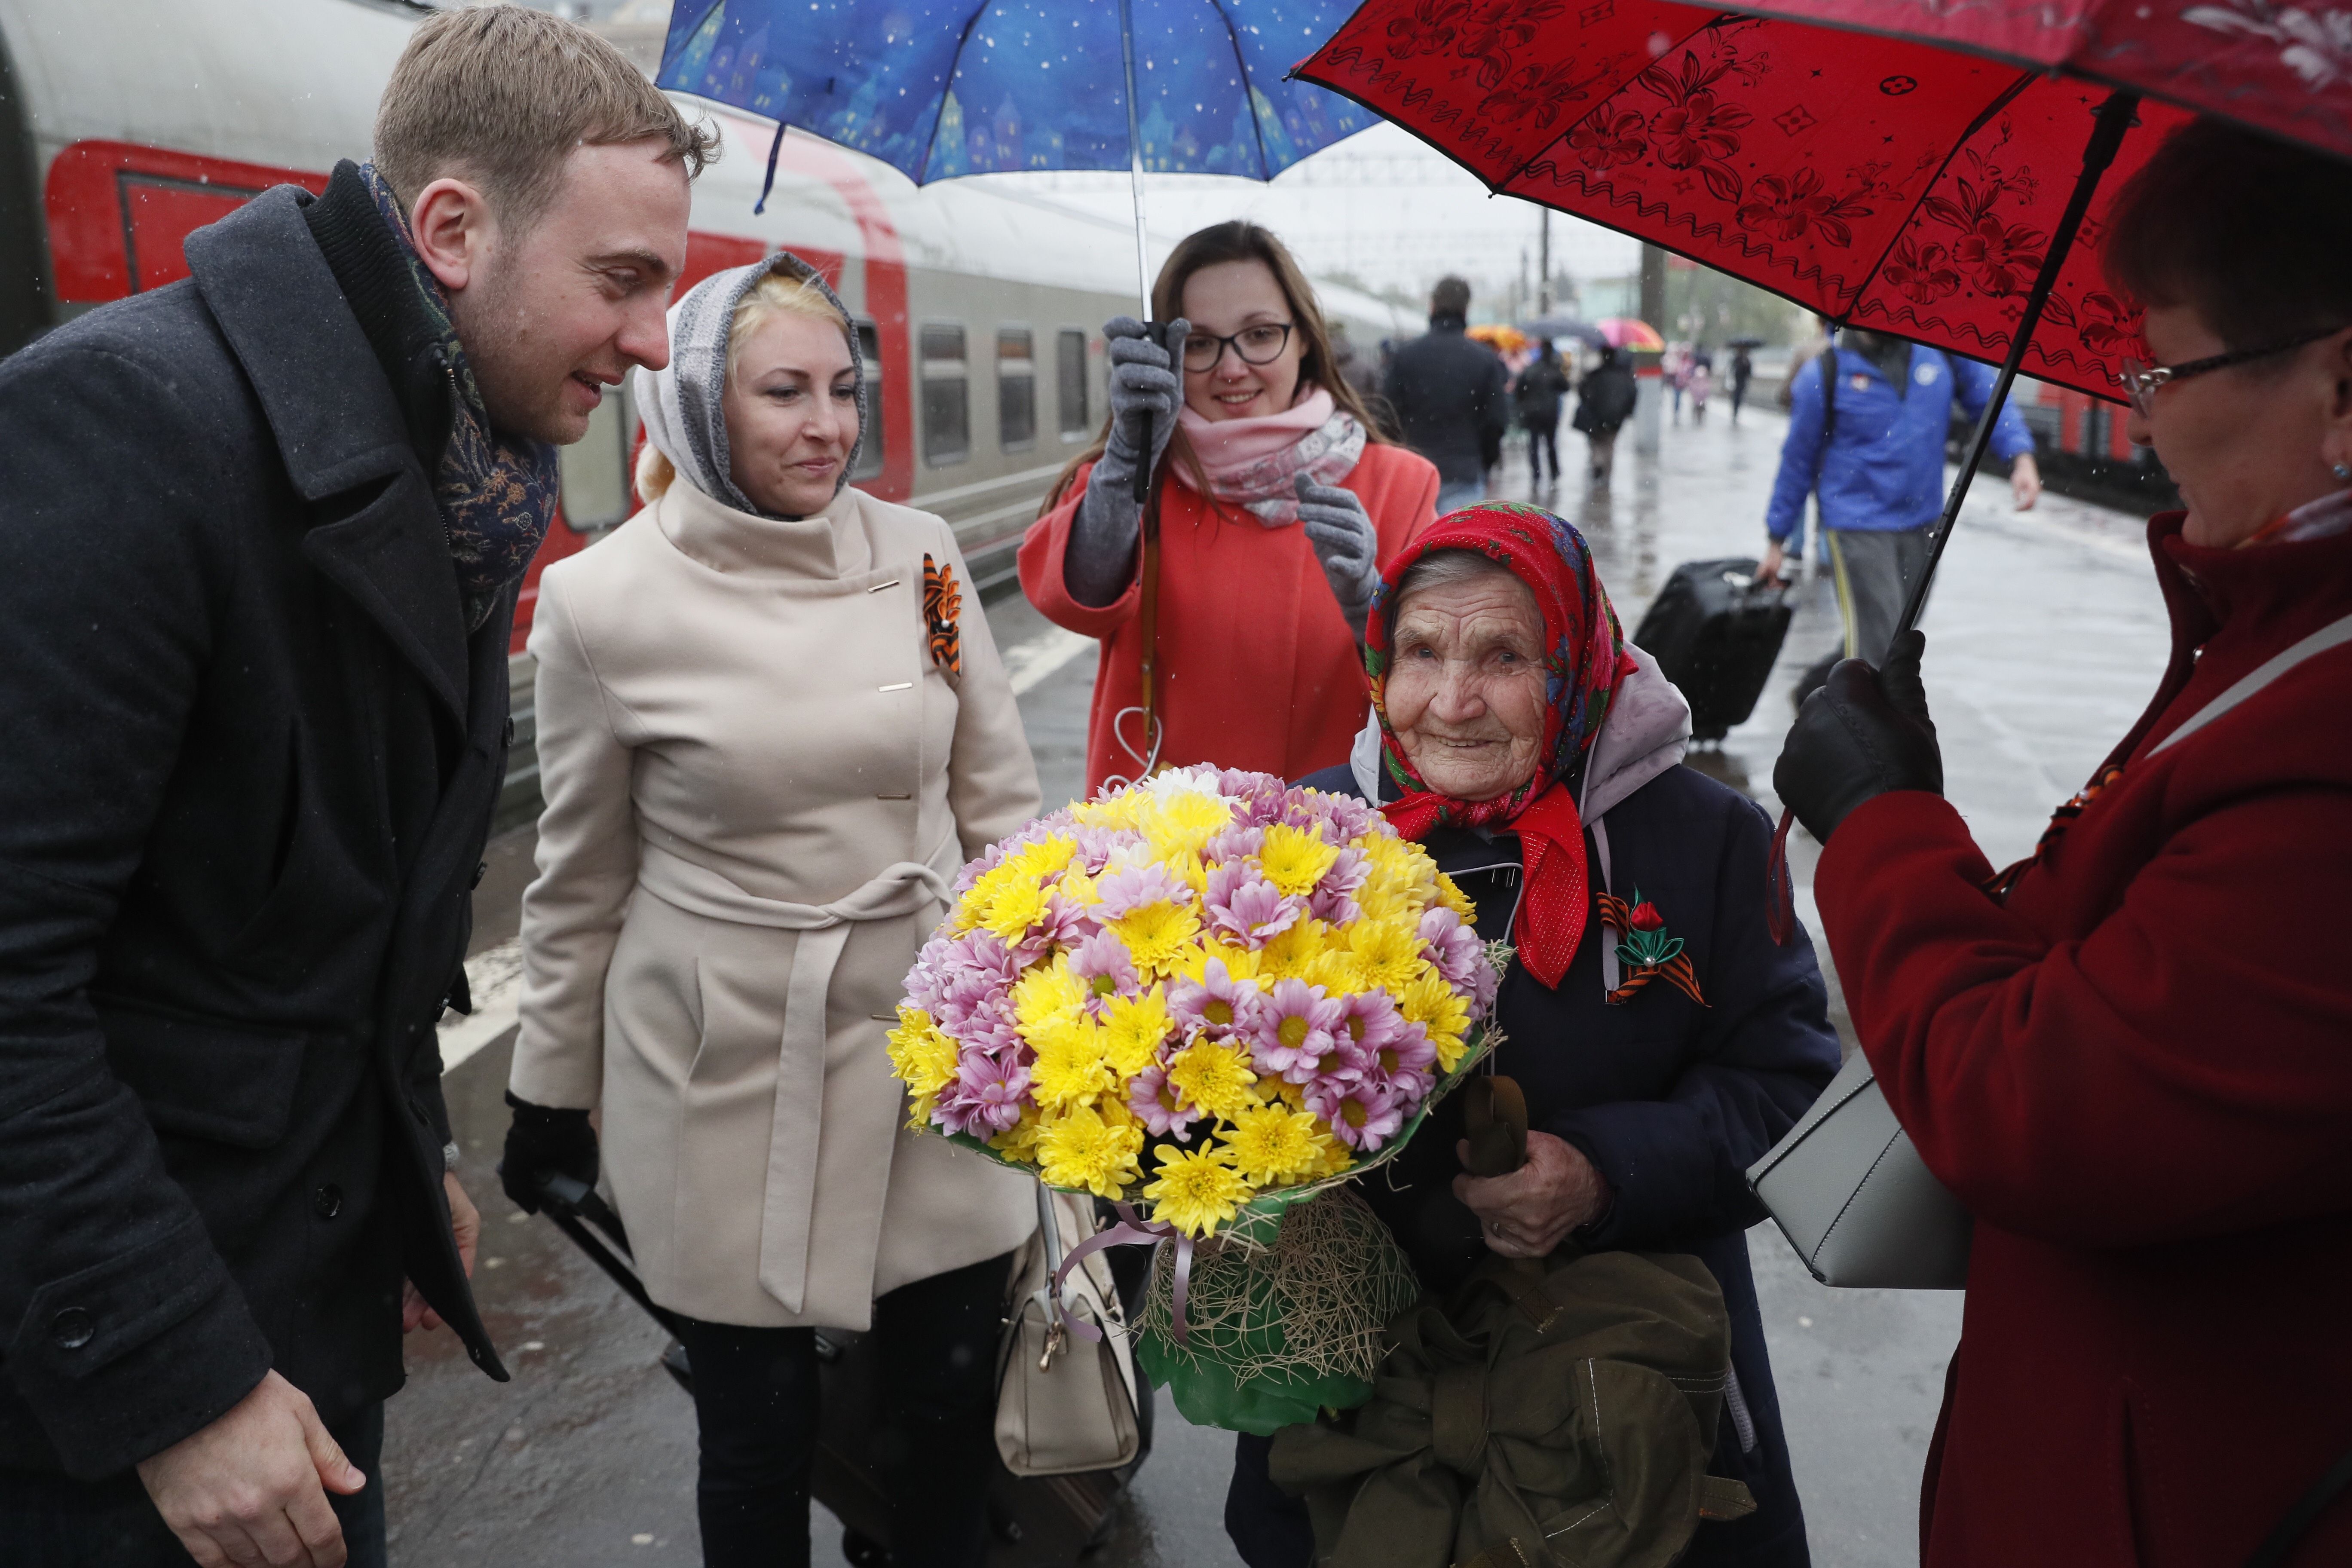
(2000, 100)
(1235, 38)
(932, 142)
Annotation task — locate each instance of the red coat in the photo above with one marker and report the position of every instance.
(2137, 1074)
(1257, 667)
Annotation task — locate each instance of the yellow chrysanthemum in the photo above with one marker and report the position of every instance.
(1387, 953)
(1080, 888)
(1121, 810)
(1188, 868)
(1274, 1143)
(1183, 820)
(1294, 860)
(1386, 901)
(1401, 869)
(1083, 1149)
(1430, 1003)
(1047, 994)
(1133, 1029)
(1196, 1192)
(1336, 970)
(1157, 935)
(1019, 1142)
(1294, 952)
(1454, 899)
(924, 1059)
(1213, 1077)
(1193, 964)
(1009, 897)
(1070, 1069)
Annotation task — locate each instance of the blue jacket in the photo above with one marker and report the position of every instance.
(1885, 467)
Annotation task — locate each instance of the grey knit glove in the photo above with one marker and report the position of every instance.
(1347, 544)
(1144, 383)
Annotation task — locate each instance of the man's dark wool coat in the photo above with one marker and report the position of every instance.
(250, 759)
(1670, 1100)
(1450, 394)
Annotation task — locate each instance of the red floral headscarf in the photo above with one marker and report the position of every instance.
(1584, 660)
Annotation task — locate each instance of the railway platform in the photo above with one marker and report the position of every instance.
(2045, 636)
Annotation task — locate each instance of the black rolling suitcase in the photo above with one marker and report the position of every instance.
(1715, 632)
(1034, 1521)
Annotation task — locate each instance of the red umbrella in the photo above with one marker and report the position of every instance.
(1916, 167)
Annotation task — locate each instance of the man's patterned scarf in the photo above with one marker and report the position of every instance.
(1584, 659)
(496, 493)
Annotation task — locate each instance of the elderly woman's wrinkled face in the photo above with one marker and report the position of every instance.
(791, 413)
(1466, 685)
(2248, 443)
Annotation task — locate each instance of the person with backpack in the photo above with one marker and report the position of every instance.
(1537, 393)
(1867, 425)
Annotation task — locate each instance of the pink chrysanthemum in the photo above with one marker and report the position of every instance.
(1232, 844)
(1256, 797)
(1294, 1030)
(1333, 898)
(1218, 1006)
(1453, 948)
(1246, 910)
(1362, 1114)
(988, 1095)
(1137, 888)
(1155, 1105)
(1103, 964)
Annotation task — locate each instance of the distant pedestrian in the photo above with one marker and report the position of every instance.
(1604, 404)
(1275, 502)
(719, 697)
(1676, 365)
(1743, 371)
(1449, 392)
(261, 535)
(1801, 356)
(1879, 475)
(1536, 394)
(1364, 377)
(1701, 380)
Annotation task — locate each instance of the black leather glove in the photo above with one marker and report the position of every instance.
(541, 1141)
(1866, 732)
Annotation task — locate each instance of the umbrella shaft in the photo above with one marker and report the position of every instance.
(1135, 153)
(2109, 123)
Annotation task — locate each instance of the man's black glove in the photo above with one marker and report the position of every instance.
(1866, 732)
(545, 1142)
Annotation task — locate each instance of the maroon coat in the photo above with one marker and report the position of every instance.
(2137, 1074)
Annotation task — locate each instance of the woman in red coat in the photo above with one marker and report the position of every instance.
(2135, 1065)
(1278, 502)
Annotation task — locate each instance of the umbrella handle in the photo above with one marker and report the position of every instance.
(1158, 332)
(2109, 121)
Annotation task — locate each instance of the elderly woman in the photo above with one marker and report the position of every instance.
(2127, 1056)
(768, 739)
(1536, 753)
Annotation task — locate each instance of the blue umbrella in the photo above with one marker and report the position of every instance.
(945, 87)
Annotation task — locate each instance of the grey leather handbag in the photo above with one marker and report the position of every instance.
(1851, 1195)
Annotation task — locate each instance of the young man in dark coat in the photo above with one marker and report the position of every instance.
(260, 536)
(1448, 391)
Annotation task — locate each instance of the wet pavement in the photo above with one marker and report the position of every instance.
(2046, 637)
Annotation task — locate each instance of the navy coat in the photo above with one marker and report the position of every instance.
(252, 754)
(1670, 1100)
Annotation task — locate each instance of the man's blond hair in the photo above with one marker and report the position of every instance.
(499, 95)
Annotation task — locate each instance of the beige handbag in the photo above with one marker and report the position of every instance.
(1064, 1403)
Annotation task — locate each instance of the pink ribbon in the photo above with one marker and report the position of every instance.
(1133, 1231)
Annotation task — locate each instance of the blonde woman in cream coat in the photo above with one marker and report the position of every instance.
(766, 750)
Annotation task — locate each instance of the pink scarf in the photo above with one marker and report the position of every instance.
(1251, 463)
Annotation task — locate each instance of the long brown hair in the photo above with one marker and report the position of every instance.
(1238, 240)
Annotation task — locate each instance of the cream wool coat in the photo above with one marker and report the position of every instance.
(741, 723)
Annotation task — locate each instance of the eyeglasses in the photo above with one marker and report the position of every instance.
(1261, 344)
(2140, 382)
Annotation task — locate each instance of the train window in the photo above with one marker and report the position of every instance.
(595, 469)
(869, 440)
(947, 397)
(1070, 379)
(1016, 390)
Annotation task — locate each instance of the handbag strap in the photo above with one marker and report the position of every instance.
(2272, 1552)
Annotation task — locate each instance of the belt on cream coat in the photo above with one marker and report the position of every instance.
(903, 889)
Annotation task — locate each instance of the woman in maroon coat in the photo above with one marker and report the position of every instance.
(2135, 1065)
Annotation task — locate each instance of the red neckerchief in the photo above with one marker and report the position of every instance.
(1549, 925)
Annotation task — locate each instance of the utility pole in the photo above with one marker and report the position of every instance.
(1649, 384)
(1543, 286)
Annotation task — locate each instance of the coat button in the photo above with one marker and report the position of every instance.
(481, 869)
(327, 1200)
(72, 1329)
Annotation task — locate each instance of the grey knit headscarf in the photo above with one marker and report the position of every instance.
(684, 406)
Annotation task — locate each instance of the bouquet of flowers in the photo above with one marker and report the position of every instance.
(1208, 996)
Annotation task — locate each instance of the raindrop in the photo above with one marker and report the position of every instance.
(1804, 1322)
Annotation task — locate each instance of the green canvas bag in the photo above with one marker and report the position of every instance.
(1558, 1413)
